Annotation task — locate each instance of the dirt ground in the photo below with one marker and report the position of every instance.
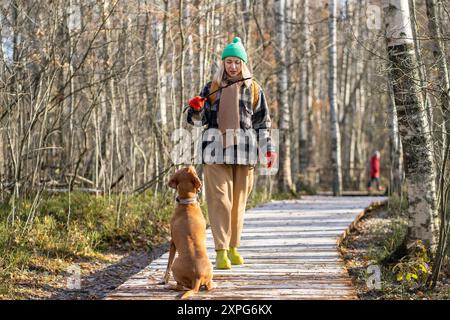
(99, 275)
(371, 239)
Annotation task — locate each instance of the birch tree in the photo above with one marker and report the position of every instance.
(437, 34)
(305, 94)
(414, 132)
(443, 88)
(284, 173)
(332, 94)
(246, 17)
(396, 169)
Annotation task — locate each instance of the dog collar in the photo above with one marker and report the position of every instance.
(186, 200)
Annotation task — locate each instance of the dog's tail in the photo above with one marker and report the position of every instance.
(194, 290)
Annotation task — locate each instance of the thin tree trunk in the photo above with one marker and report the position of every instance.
(305, 96)
(436, 32)
(159, 42)
(189, 65)
(421, 66)
(395, 147)
(246, 12)
(290, 16)
(332, 94)
(181, 88)
(284, 173)
(437, 35)
(218, 39)
(159, 125)
(201, 43)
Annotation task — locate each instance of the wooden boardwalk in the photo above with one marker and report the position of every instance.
(290, 252)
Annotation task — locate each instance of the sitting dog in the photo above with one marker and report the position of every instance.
(191, 268)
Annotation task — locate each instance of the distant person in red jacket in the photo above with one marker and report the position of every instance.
(374, 171)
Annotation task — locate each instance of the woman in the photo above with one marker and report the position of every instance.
(230, 114)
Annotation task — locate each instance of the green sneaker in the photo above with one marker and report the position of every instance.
(235, 257)
(222, 261)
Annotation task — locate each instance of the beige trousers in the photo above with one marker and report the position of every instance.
(227, 189)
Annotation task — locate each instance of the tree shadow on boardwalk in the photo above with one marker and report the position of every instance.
(102, 282)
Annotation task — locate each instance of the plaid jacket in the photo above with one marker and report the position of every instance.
(255, 123)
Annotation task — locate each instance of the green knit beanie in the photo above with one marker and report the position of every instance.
(235, 49)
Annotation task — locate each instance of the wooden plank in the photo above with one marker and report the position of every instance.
(290, 253)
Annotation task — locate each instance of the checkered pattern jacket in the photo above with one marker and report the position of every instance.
(251, 117)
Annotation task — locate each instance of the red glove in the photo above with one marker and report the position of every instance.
(197, 103)
(271, 158)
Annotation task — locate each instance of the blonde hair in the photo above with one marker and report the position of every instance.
(220, 72)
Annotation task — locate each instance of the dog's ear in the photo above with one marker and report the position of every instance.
(173, 182)
(197, 183)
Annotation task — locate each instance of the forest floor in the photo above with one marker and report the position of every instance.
(374, 237)
(99, 275)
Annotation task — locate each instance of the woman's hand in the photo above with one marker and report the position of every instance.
(197, 103)
(271, 158)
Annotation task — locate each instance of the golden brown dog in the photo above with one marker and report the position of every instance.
(191, 268)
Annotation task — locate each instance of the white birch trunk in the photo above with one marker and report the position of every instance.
(422, 67)
(414, 132)
(290, 55)
(437, 34)
(200, 44)
(218, 40)
(396, 168)
(189, 65)
(332, 94)
(284, 173)
(161, 108)
(305, 96)
(246, 12)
